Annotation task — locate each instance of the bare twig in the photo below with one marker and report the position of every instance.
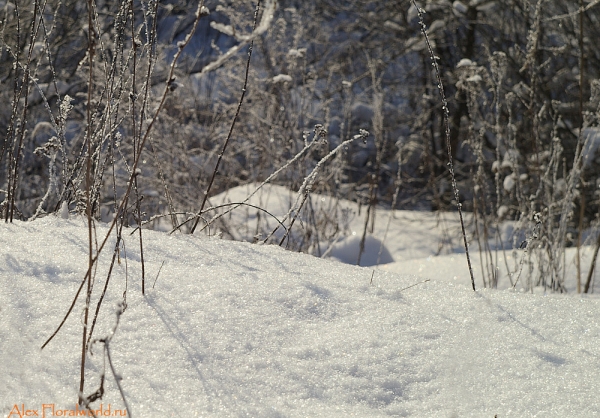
(88, 210)
(446, 113)
(413, 285)
(106, 341)
(310, 179)
(161, 266)
(237, 113)
(181, 45)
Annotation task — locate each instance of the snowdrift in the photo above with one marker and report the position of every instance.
(235, 329)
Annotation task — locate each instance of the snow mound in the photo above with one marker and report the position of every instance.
(235, 329)
(347, 251)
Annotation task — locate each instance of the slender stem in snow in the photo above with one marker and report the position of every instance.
(447, 134)
(237, 112)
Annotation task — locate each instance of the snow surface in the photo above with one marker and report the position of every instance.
(233, 329)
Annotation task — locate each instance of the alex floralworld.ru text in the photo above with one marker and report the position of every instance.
(50, 410)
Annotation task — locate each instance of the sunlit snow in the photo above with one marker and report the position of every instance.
(229, 329)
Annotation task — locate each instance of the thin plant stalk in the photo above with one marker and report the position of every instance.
(200, 12)
(582, 198)
(398, 184)
(88, 209)
(316, 139)
(311, 178)
(447, 135)
(235, 117)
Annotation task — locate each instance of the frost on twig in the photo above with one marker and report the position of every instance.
(243, 40)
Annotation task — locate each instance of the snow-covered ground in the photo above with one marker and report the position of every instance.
(231, 329)
(426, 244)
